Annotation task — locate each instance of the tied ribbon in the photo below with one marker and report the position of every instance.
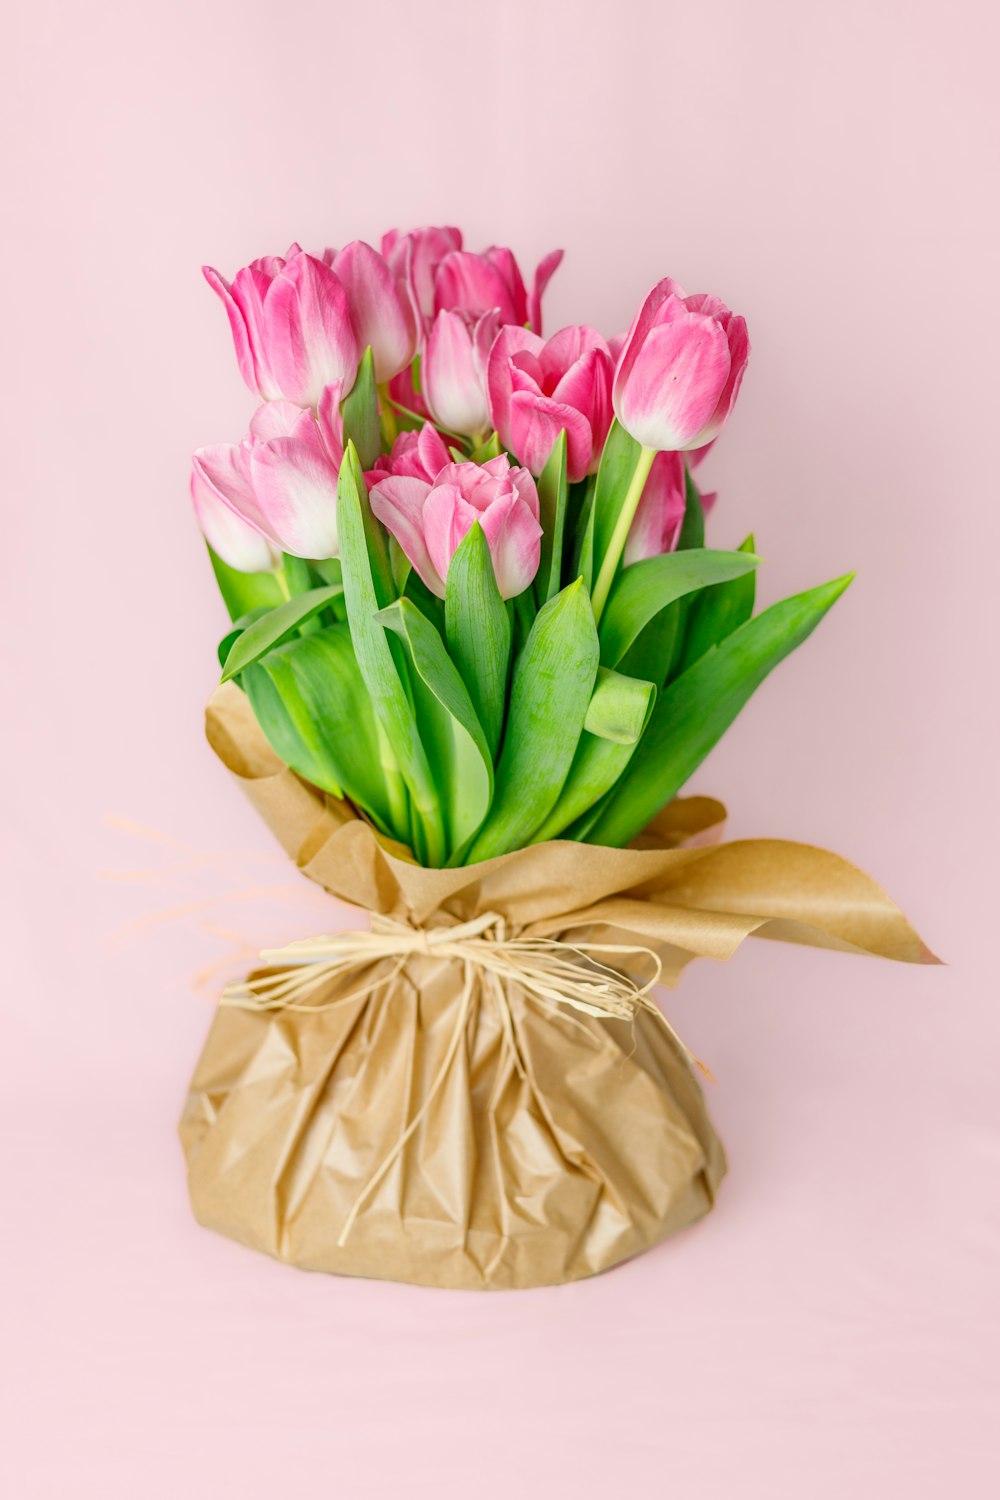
(546, 970)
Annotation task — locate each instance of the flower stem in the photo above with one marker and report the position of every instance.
(623, 525)
(282, 581)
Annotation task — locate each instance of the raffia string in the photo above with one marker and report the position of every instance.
(546, 970)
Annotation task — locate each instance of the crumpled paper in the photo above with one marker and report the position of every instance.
(558, 1143)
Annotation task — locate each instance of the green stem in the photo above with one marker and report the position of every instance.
(623, 525)
(282, 581)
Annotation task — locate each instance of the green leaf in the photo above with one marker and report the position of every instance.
(448, 724)
(652, 652)
(478, 631)
(696, 710)
(718, 611)
(645, 588)
(552, 505)
(618, 464)
(275, 626)
(486, 451)
(226, 644)
(693, 526)
(583, 536)
(312, 704)
(600, 761)
(551, 691)
(242, 592)
(298, 574)
(368, 588)
(359, 412)
(619, 707)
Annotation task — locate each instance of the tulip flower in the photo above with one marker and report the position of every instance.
(539, 389)
(414, 258)
(381, 312)
(477, 283)
(659, 515)
(417, 455)
(453, 370)
(239, 544)
(429, 520)
(291, 325)
(680, 369)
(282, 479)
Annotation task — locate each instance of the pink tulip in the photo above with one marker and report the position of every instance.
(453, 370)
(416, 455)
(680, 369)
(660, 515)
(282, 479)
(414, 258)
(539, 389)
(239, 544)
(430, 520)
(477, 283)
(380, 307)
(291, 325)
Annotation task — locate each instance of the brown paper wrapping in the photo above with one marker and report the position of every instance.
(559, 1143)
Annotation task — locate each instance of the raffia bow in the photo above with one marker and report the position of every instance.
(549, 971)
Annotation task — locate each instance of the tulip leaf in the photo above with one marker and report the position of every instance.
(312, 704)
(359, 412)
(242, 592)
(618, 464)
(226, 644)
(651, 654)
(550, 693)
(718, 611)
(297, 573)
(552, 507)
(697, 708)
(449, 728)
(276, 626)
(643, 589)
(583, 544)
(486, 451)
(619, 707)
(692, 533)
(478, 631)
(600, 761)
(368, 588)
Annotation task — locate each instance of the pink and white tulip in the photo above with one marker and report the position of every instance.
(453, 370)
(416, 455)
(414, 258)
(539, 389)
(291, 325)
(239, 544)
(656, 527)
(380, 307)
(477, 283)
(680, 369)
(282, 479)
(429, 520)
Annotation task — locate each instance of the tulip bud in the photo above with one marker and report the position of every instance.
(239, 544)
(453, 370)
(380, 308)
(414, 258)
(680, 369)
(429, 520)
(478, 283)
(418, 455)
(539, 389)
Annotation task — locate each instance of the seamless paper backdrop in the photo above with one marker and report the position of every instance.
(830, 171)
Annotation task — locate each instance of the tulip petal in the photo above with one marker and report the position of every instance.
(504, 261)
(296, 489)
(641, 325)
(382, 317)
(245, 356)
(452, 380)
(239, 544)
(535, 424)
(499, 381)
(398, 502)
(330, 421)
(739, 353)
(656, 526)
(544, 272)
(307, 330)
(515, 542)
(586, 386)
(224, 468)
(279, 419)
(674, 382)
(431, 451)
(447, 518)
(471, 283)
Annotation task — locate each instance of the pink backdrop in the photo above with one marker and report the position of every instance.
(829, 170)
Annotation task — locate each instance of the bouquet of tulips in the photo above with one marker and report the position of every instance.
(466, 563)
(478, 645)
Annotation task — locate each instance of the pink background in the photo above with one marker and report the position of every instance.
(830, 171)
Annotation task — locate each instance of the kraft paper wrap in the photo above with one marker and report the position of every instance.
(558, 1143)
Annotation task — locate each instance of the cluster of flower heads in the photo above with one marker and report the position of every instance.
(457, 343)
